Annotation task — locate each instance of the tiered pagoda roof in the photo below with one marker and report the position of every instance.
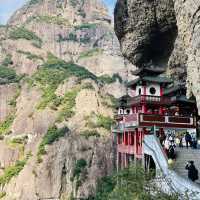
(146, 71)
(153, 79)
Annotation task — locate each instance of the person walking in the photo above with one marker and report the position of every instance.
(188, 139)
(192, 171)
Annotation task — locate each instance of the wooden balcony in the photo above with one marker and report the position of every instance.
(167, 121)
(149, 100)
(149, 120)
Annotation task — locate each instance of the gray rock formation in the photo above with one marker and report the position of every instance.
(147, 31)
(78, 31)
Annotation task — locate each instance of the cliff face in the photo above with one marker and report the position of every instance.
(60, 66)
(164, 32)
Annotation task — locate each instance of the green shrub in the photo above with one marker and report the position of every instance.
(30, 56)
(12, 171)
(53, 134)
(5, 125)
(70, 68)
(78, 169)
(13, 101)
(53, 72)
(90, 133)
(85, 26)
(128, 184)
(52, 19)
(68, 103)
(104, 122)
(32, 2)
(106, 79)
(7, 61)
(90, 53)
(8, 75)
(23, 33)
(85, 39)
(88, 86)
(2, 194)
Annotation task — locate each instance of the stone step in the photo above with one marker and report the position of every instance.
(183, 156)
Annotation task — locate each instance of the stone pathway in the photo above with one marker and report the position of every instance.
(184, 155)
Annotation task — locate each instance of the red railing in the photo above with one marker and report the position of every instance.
(167, 121)
(149, 99)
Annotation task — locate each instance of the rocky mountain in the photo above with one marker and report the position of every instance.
(61, 71)
(163, 33)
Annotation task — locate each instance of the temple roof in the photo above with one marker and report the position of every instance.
(183, 98)
(148, 70)
(122, 101)
(153, 79)
(174, 89)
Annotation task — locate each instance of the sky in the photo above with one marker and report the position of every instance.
(8, 7)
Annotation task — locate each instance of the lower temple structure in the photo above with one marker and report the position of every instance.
(154, 105)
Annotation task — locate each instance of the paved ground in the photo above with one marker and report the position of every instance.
(184, 155)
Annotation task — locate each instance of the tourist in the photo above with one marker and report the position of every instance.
(181, 141)
(188, 139)
(192, 171)
(193, 142)
(166, 146)
(171, 152)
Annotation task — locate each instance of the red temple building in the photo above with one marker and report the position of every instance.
(154, 102)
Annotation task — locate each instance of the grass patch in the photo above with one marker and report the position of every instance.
(90, 133)
(8, 75)
(70, 37)
(33, 2)
(88, 86)
(13, 101)
(30, 55)
(86, 26)
(53, 72)
(106, 79)
(104, 122)
(2, 194)
(5, 125)
(23, 33)
(128, 184)
(68, 104)
(53, 134)
(79, 172)
(90, 53)
(49, 20)
(12, 171)
(109, 101)
(99, 121)
(7, 61)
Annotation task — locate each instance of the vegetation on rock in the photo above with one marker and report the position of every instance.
(86, 26)
(104, 122)
(90, 53)
(128, 184)
(90, 133)
(30, 55)
(106, 79)
(7, 60)
(67, 104)
(53, 72)
(8, 75)
(23, 33)
(79, 172)
(12, 171)
(53, 134)
(6, 124)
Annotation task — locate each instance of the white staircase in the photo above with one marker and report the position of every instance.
(170, 180)
(184, 155)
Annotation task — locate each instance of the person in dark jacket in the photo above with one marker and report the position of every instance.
(188, 139)
(192, 171)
